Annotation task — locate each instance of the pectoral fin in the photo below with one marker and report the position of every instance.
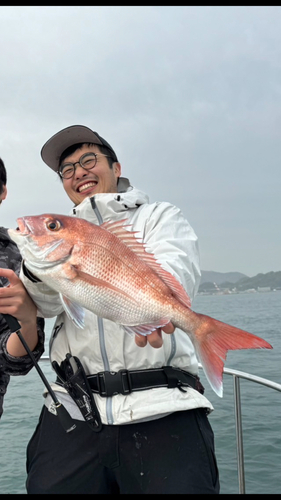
(74, 311)
(147, 328)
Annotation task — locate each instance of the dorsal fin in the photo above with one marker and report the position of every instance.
(129, 239)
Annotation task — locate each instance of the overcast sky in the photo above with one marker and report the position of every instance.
(189, 98)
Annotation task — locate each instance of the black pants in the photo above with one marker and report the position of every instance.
(173, 454)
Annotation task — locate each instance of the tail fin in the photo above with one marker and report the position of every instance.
(213, 339)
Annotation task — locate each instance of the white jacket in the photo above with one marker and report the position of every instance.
(103, 345)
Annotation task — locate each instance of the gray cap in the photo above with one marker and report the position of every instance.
(54, 147)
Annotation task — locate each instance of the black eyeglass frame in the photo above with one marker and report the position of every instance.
(69, 164)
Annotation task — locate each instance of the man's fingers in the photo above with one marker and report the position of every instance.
(169, 328)
(11, 275)
(155, 338)
(140, 340)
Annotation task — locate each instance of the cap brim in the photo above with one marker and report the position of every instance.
(54, 147)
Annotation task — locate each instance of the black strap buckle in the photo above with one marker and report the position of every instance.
(74, 380)
(111, 383)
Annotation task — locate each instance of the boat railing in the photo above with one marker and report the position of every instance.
(236, 374)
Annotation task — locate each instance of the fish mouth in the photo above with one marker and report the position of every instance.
(23, 227)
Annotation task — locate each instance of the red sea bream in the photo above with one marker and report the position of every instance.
(107, 270)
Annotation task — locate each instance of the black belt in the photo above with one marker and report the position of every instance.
(108, 384)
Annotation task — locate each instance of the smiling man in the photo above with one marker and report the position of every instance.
(142, 419)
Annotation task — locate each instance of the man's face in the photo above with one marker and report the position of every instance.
(84, 183)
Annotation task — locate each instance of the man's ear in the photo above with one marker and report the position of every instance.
(4, 194)
(117, 168)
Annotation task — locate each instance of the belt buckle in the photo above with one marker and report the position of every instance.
(112, 383)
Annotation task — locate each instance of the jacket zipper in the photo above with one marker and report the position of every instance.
(104, 356)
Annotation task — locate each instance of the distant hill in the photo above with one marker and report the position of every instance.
(271, 280)
(218, 278)
(228, 281)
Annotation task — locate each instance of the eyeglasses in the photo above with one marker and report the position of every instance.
(86, 161)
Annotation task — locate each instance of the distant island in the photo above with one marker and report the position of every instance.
(213, 282)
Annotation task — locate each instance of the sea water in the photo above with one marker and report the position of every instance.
(259, 313)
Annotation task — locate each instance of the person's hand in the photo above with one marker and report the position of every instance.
(14, 299)
(154, 338)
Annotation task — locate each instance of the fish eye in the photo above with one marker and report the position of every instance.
(53, 225)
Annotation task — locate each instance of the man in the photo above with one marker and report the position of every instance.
(14, 300)
(150, 431)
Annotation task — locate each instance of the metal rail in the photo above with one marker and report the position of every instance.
(236, 374)
(238, 415)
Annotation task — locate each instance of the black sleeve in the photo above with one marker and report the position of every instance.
(19, 365)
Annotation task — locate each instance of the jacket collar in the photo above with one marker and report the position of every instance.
(110, 204)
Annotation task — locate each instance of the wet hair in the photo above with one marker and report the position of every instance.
(71, 149)
(3, 176)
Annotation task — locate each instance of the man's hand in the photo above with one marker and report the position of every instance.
(14, 299)
(154, 338)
